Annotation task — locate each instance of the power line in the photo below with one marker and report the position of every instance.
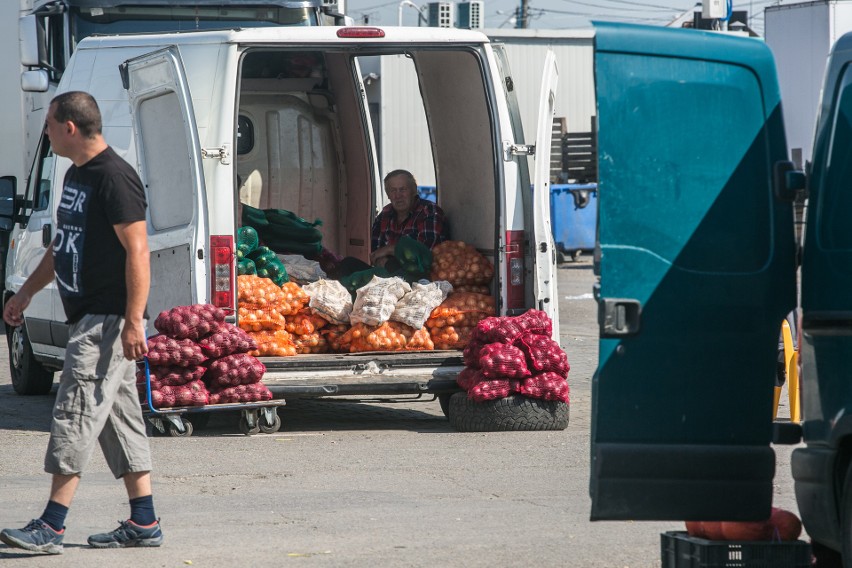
(640, 5)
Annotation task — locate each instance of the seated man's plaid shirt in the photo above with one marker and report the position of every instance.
(425, 224)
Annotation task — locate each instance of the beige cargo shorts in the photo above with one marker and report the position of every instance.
(97, 401)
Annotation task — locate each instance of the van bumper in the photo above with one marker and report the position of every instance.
(814, 477)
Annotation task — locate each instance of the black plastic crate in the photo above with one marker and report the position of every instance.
(679, 550)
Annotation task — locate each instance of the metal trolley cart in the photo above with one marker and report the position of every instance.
(178, 421)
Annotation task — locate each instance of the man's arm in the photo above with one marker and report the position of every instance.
(137, 272)
(43, 275)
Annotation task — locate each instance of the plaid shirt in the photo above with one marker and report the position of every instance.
(425, 224)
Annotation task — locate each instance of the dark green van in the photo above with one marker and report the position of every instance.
(697, 269)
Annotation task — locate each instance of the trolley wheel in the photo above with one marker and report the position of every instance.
(246, 429)
(187, 429)
(270, 428)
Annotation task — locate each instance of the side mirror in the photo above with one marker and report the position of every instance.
(35, 81)
(8, 188)
(787, 181)
(31, 49)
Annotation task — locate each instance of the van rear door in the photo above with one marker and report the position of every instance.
(696, 274)
(169, 154)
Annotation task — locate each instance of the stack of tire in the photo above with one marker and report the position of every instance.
(515, 377)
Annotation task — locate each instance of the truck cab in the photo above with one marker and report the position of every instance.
(698, 267)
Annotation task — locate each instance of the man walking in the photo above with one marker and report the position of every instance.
(100, 260)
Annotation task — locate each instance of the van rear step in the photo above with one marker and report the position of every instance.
(363, 374)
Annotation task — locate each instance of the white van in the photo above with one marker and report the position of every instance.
(278, 118)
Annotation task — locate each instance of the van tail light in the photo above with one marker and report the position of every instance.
(515, 270)
(222, 271)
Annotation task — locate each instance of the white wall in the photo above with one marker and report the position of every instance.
(404, 138)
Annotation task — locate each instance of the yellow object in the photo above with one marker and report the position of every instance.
(791, 366)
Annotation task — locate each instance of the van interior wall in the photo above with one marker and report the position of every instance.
(300, 157)
(462, 145)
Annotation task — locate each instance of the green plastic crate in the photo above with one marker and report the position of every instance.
(679, 550)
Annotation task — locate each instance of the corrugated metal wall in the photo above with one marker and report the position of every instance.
(404, 138)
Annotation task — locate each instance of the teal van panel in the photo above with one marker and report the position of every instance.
(689, 127)
(827, 263)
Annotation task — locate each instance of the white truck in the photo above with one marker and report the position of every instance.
(279, 116)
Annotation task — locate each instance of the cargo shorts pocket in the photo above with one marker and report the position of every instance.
(81, 384)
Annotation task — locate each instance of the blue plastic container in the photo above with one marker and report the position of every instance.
(574, 217)
(428, 192)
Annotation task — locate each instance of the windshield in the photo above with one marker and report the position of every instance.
(154, 19)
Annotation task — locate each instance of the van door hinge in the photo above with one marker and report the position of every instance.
(223, 154)
(511, 150)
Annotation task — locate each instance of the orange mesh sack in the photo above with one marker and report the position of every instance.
(311, 343)
(420, 340)
(273, 344)
(333, 335)
(461, 309)
(460, 264)
(476, 289)
(389, 336)
(304, 323)
(252, 318)
(329, 299)
(376, 301)
(294, 298)
(258, 292)
(451, 337)
(414, 308)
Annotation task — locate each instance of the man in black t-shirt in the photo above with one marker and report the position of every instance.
(100, 260)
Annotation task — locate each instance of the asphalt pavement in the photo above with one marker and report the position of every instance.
(348, 483)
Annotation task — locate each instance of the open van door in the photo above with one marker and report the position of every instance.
(545, 251)
(696, 274)
(169, 154)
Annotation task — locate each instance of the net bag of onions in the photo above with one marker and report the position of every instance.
(389, 336)
(333, 335)
(501, 361)
(543, 354)
(163, 351)
(415, 307)
(460, 264)
(189, 322)
(277, 343)
(491, 389)
(193, 393)
(172, 375)
(507, 329)
(546, 386)
(304, 323)
(376, 301)
(310, 343)
(329, 299)
(450, 337)
(462, 309)
(226, 339)
(255, 392)
(232, 370)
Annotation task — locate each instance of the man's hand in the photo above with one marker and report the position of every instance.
(13, 313)
(133, 340)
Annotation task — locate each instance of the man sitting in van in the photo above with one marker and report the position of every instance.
(407, 214)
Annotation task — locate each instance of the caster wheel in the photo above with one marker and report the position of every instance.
(187, 429)
(270, 428)
(245, 429)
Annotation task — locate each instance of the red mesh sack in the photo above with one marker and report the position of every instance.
(501, 361)
(238, 369)
(469, 378)
(226, 339)
(255, 392)
(164, 351)
(507, 329)
(172, 375)
(194, 393)
(490, 390)
(546, 386)
(189, 322)
(543, 354)
(471, 351)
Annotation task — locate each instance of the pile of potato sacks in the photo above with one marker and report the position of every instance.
(388, 314)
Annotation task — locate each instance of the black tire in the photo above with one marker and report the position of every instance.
(270, 428)
(513, 413)
(187, 429)
(444, 401)
(846, 519)
(29, 377)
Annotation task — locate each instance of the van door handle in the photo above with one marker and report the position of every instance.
(46, 235)
(619, 317)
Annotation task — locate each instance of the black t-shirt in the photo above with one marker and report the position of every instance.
(88, 258)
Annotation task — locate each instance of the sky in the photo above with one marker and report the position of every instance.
(555, 14)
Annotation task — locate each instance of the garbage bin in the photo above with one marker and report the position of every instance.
(574, 217)
(428, 192)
